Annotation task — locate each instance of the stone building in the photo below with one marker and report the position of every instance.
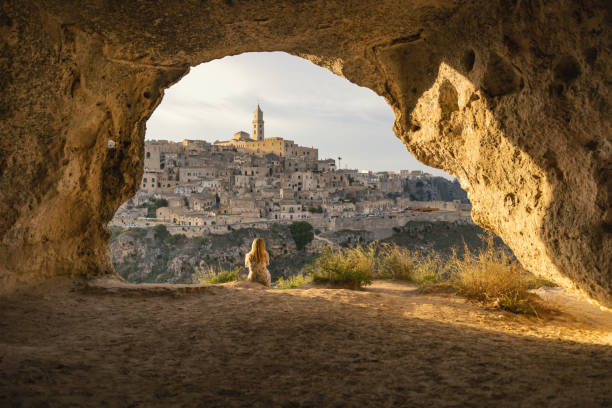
(230, 184)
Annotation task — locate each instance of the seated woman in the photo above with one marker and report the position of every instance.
(257, 261)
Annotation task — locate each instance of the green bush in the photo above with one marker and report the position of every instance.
(302, 233)
(161, 233)
(395, 263)
(177, 239)
(293, 282)
(335, 267)
(153, 205)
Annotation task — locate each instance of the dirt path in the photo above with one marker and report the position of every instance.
(241, 345)
(327, 241)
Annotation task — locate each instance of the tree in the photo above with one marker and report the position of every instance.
(161, 233)
(153, 205)
(302, 234)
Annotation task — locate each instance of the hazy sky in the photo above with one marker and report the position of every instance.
(301, 102)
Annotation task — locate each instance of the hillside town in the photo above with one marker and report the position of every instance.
(194, 187)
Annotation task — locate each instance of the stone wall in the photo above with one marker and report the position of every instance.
(512, 97)
(382, 227)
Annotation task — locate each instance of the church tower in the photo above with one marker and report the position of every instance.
(258, 124)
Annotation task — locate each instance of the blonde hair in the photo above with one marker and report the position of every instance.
(258, 252)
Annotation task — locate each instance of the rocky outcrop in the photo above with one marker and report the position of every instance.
(512, 97)
(154, 255)
(434, 189)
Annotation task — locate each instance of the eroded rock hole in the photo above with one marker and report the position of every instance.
(448, 99)
(501, 78)
(567, 69)
(468, 60)
(590, 55)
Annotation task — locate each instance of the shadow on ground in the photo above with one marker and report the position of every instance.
(245, 346)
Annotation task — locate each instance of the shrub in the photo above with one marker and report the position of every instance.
(153, 205)
(365, 257)
(293, 282)
(396, 263)
(302, 234)
(219, 274)
(177, 239)
(335, 267)
(161, 233)
(493, 276)
(433, 269)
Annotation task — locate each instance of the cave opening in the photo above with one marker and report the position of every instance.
(330, 159)
(477, 100)
(512, 98)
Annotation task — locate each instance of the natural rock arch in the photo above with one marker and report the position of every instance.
(512, 97)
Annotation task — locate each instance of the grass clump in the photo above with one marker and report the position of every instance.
(364, 257)
(395, 262)
(433, 273)
(493, 276)
(342, 267)
(219, 274)
(293, 282)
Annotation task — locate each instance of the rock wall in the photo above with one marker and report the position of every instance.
(510, 96)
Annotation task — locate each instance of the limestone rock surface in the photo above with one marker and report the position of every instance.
(512, 97)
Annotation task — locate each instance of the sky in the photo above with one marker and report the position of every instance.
(300, 101)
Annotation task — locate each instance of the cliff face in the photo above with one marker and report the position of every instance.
(153, 255)
(512, 97)
(435, 189)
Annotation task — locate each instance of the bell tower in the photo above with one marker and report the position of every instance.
(258, 124)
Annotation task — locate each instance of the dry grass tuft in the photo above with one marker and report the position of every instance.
(396, 263)
(293, 282)
(341, 267)
(494, 277)
(491, 276)
(219, 274)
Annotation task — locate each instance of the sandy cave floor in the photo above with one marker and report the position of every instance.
(114, 344)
